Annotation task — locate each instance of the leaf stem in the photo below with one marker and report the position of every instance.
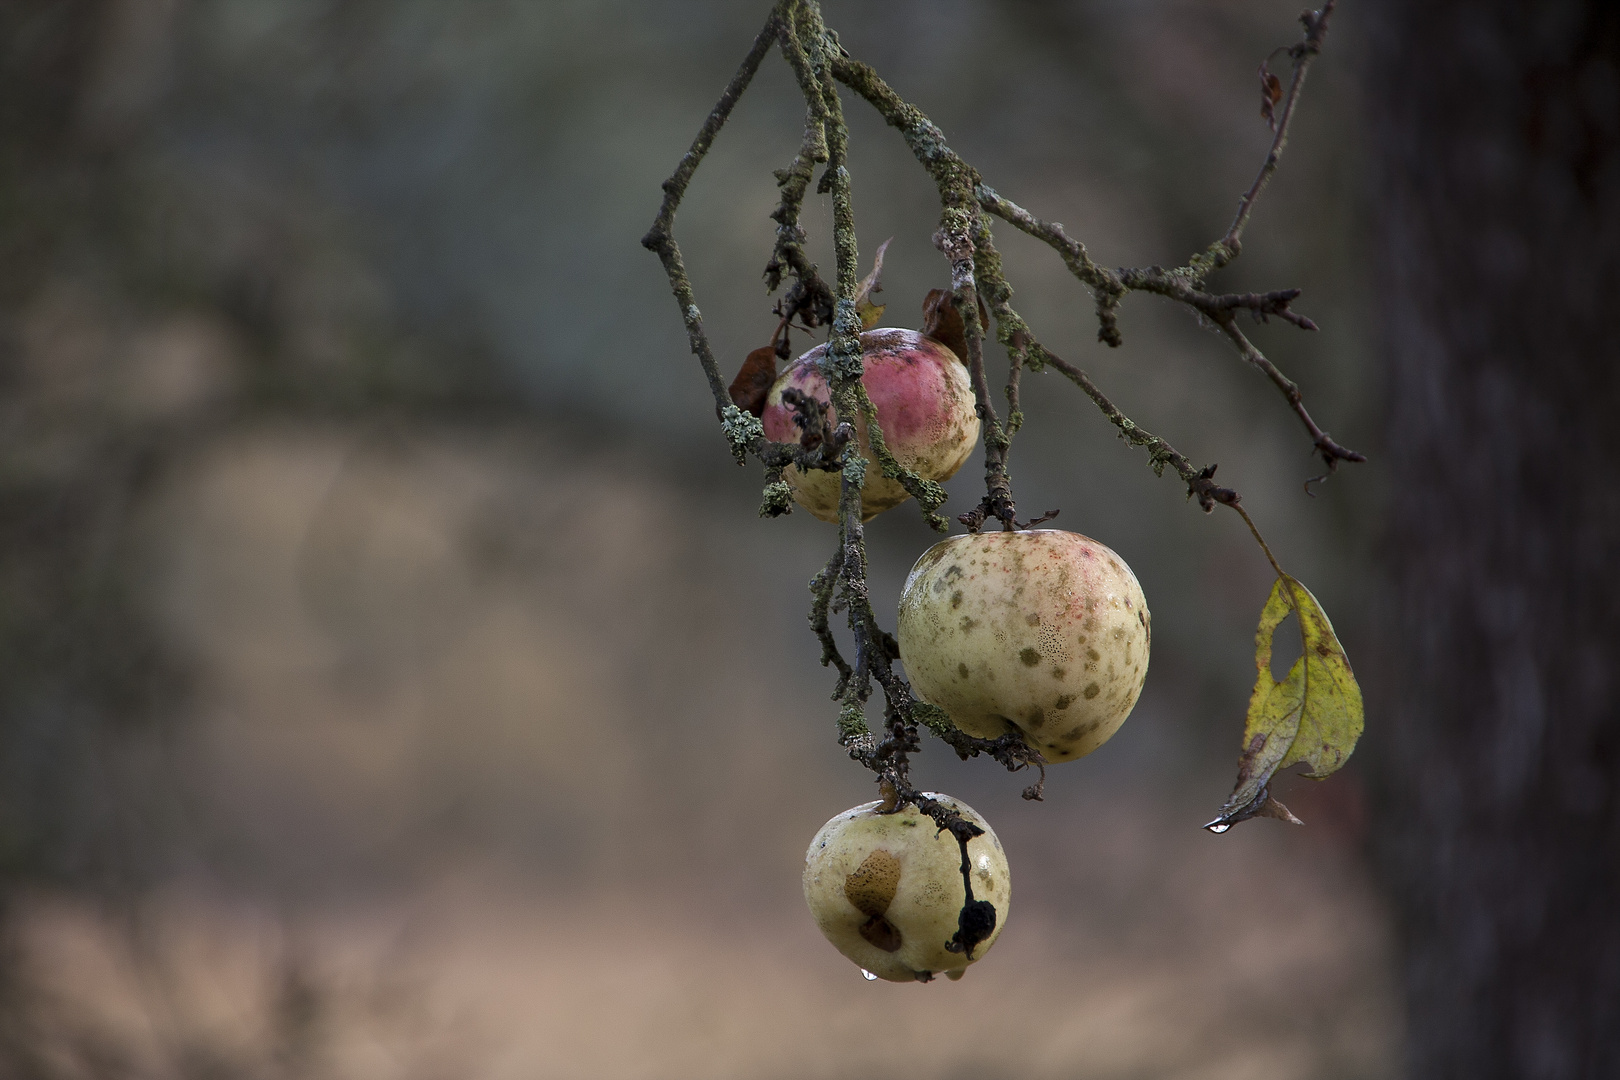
(1247, 520)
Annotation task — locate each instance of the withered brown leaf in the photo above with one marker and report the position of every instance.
(754, 381)
(943, 323)
(1271, 93)
(869, 311)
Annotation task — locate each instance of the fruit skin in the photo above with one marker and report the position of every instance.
(1042, 631)
(900, 869)
(924, 403)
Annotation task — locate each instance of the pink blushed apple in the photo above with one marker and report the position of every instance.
(924, 403)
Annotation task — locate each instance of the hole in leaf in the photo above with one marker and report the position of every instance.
(1285, 647)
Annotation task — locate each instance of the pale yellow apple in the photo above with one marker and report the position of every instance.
(886, 889)
(1041, 631)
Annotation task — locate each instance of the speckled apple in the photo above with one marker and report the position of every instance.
(924, 403)
(1041, 631)
(886, 889)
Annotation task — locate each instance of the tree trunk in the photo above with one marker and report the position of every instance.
(1498, 129)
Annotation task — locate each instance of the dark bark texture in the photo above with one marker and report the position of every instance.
(1498, 126)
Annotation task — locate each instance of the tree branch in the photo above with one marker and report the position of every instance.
(1330, 452)
(965, 238)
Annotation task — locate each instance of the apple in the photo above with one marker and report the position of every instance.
(1039, 631)
(924, 403)
(886, 889)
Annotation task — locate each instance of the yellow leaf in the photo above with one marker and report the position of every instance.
(869, 312)
(1313, 715)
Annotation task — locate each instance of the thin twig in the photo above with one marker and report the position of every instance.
(1331, 452)
(794, 180)
(1221, 309)
(1226, 249)
(822, 587)
(1182, 284)
(660, 238)
(994, 288)
(1104, 283)
(1200, 482)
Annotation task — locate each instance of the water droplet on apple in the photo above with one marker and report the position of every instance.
(868, 976)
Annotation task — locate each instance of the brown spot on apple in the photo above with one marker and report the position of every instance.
(1028, 583)
(870, 887)
(881, 932)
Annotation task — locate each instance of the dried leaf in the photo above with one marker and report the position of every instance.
(943, 323)
(1313, 715)
(869, 312)
(753, 383)
(1271, 93)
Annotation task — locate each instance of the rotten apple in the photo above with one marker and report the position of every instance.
(886, 889)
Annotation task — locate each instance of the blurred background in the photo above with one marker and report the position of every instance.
(398, 681)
